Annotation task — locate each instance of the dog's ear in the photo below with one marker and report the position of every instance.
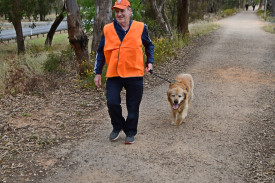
(185, 97)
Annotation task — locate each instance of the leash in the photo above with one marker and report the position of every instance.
(165, 79)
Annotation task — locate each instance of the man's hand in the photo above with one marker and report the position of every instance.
(149, 67)
(97, 80)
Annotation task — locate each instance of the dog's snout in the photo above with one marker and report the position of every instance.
(176, 102)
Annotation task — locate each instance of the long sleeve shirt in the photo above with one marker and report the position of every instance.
(147, 43)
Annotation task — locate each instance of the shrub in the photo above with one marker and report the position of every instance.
(61, 61)
(87, 79)
(228, 12)
(166, 48)
(34, 49)
(270, 28)
(19, 77)
(52, 63)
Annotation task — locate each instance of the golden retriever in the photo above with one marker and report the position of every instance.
(180, 94)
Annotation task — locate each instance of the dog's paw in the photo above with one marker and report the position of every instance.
(173, 123)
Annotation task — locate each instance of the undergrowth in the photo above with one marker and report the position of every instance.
(228, 12)
(25, 73)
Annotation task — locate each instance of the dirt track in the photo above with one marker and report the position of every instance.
(228, 135)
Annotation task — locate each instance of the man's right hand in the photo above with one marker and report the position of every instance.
(97, 80)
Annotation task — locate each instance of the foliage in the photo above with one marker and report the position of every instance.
(166, 49)
(228, 12)
(43, 8)
(270, 28)
(19, 77)
(137, 9)
(60, 62)
(87, 13)
(87, 80)
(34, 49)
(27, 8)
(52, 63)
(261, 14)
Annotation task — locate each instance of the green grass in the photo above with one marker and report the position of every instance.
(57, 39)
(35, 56)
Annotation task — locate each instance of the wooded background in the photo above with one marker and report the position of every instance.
(165, 18)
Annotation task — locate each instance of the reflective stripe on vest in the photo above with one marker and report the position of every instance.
(124, 59)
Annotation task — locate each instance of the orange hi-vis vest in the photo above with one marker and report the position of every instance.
(124, 59)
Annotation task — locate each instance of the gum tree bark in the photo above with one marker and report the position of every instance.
(183, 16)
(54, 26)
(273, 8)
(103, 15)
(78, 39)
(261, 4)
(15, 18)
(160, 13)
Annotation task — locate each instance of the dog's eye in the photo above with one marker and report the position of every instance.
(180, 96)
(173, 95)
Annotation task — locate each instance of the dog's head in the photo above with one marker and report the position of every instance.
(176, 95)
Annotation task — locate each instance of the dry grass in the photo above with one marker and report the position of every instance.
(270, 28)
(202, 27)
(35, 55)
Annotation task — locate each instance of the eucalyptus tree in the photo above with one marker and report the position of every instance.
(58, 20)
(273, 8)
(103, 15)
(43, 8)
(183, 16)
(159, 9)
(77, 38)
(15, 10)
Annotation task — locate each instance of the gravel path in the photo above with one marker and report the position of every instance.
(228, 135)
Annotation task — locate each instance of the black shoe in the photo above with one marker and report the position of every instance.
(114, 136)
(129, 139)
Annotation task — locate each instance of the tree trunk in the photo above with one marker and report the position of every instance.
(42, 17)
(261, 4)
(54, 26)
(158, 11)
(78, 39)
(19, 36)
(103, 15)
(273, 8)
(183, 16)
(15, 18)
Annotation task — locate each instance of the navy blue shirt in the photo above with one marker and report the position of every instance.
(147, 43)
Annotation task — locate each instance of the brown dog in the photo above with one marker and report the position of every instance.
(180, 95)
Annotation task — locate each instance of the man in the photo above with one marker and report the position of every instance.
(121, 49)
(253, 5)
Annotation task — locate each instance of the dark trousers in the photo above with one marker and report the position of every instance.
(134, 91)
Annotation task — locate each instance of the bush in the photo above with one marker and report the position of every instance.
(61, 61)
(270, 28)
(34, 49)
(228, 12)
(19, 77)
(87, 79)
(260, 13)
(52, 63)
(165, 48)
